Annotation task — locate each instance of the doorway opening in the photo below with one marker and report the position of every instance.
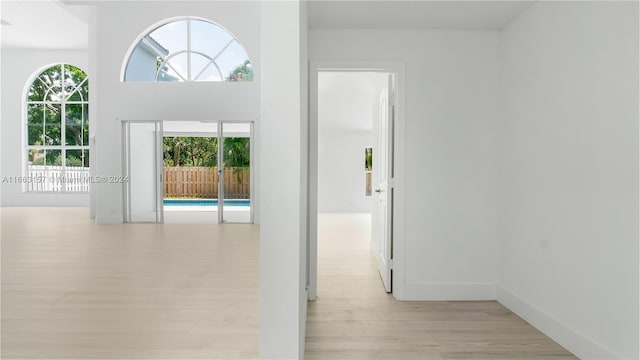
(352, 162)
(203, 172)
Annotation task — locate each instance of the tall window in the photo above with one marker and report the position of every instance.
(188, 49)
(57, 131)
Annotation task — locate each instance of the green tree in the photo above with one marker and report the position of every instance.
(236, 152)
(55, 85)
(203, 151)
(190, 151)
(243, 72)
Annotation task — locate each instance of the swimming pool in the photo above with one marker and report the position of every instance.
(205, 202)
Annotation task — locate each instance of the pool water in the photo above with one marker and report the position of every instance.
(205, 202)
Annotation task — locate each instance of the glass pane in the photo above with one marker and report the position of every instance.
(53, 158)
(210, 73)
(53, 78)
(237, 172)
(50, 86)
(208, 38)
(73, 124)
(198, 64)
(35, 124)
(73, 77)
(52, 128)
(81, 92)
(179, 64)
(37, 90)
(36, 135)
(36, 171)
(171, 37)
(85, 125)
(84, 90)
(35, 114)
(74, 159)
(235, 64)
(76, 174)
(168, 74)
(85, 158)
(143, 63)
(35, 157)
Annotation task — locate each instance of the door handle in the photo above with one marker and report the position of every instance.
(379, 190)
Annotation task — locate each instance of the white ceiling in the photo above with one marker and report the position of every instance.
(416, 14)
(45, 24)
(61, 24)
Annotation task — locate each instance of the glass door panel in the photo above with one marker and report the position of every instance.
(235, 169)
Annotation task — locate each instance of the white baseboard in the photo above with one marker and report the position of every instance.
(449, 291)
(570, 339)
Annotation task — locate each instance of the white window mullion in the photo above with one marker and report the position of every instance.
(63, 133)
(189, 49)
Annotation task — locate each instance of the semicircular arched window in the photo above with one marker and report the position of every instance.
(188, 49)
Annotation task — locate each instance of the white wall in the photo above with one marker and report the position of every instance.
(18, 67)
(346, 109)
(283, 298)
(115, 29)
(341, 176)
(569, 251)
(451, 125)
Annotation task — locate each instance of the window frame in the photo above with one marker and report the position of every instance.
(58, 184)
(191, 77)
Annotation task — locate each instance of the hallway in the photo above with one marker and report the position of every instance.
(354, 318)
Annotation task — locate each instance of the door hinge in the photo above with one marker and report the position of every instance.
(390, 263)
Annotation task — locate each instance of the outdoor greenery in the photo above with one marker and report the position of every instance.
(57, 105)
(243, 72)
(368, 158)
(203, 151)
(72, 161)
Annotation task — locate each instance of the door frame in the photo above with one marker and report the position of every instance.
(397, 222)
(220, 169)
(219, 134)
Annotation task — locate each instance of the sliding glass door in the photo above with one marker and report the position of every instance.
(235, 175)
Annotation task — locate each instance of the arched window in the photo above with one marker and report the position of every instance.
(57, 130)
(188, 49)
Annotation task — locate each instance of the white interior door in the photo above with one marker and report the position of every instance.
(143, 168)
(382, 180)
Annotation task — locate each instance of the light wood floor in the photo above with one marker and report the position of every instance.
(354, 318)
(72, 289)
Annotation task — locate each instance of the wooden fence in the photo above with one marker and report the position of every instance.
(202, 182)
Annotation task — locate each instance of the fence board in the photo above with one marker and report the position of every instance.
(202, 182)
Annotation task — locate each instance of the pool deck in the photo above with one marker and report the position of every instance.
(207, 208)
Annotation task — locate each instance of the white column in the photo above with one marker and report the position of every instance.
(283, 167)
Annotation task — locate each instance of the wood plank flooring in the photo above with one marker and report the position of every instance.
(72, 289)
(354, 318)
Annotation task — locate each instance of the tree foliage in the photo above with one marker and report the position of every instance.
(57, 92)
(243, 72)
(203, 151)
